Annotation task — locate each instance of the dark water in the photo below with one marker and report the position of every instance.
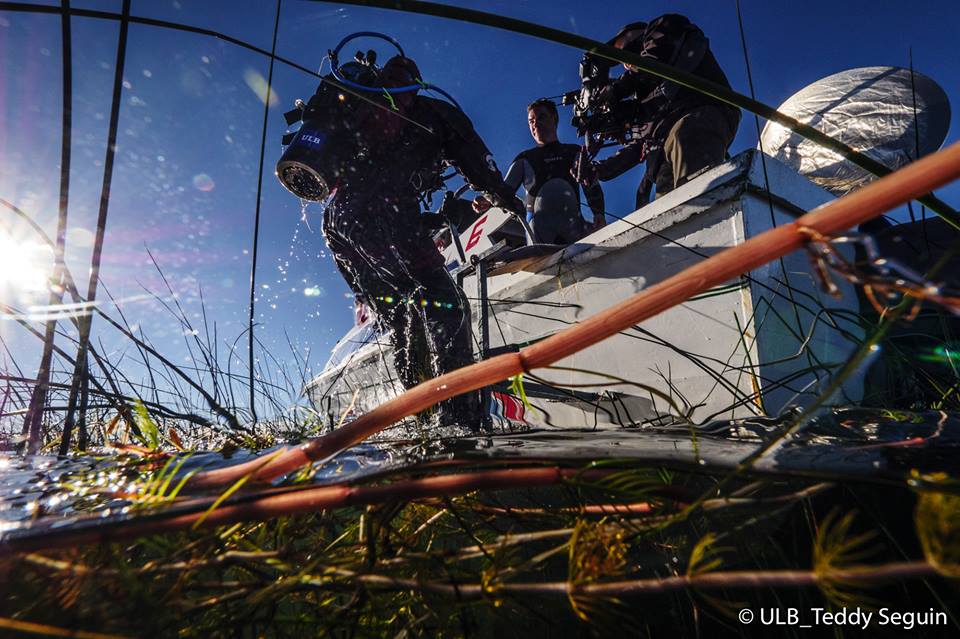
(45, 495)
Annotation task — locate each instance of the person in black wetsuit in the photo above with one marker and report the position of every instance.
(547, 174)
(683, 130)
(381, 244)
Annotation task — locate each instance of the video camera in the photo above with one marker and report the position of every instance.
(599, 121)
(334, 133)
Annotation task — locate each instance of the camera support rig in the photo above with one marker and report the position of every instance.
(600, 122)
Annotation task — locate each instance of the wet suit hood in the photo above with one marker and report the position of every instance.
(400, 72)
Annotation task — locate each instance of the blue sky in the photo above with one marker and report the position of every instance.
(185, 182)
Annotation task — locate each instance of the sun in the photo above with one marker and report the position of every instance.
(24, 267)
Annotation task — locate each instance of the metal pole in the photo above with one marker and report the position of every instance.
(31, 422)
(531, 238)
(80, 368)
(484, 329)
(448, 200)
(256, 217)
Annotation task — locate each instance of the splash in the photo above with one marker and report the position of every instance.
(303, 214)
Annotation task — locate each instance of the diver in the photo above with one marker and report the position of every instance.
(547, 174)
(375, 159)
(680, 131)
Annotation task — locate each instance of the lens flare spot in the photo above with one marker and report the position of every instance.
(313, 291)
(203, 182)
(258, 84)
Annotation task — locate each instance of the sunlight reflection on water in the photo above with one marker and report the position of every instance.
(857, 444)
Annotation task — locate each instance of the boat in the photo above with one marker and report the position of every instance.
(754, 346)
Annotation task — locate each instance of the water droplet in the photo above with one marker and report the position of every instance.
(203, 182)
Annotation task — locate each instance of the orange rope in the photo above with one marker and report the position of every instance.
(839, 215)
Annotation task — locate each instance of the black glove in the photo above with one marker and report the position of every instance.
(508, 202)
(432, 222)
(517, 206)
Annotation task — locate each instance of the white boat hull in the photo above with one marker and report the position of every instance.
(751, 347)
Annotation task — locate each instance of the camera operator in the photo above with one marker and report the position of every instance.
(681, 131)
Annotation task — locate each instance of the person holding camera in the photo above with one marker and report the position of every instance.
(681, 131)
(546, 172)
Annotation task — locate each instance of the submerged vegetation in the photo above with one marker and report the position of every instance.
(612, 546)
(425, 536)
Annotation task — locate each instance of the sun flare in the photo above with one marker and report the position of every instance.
(24, 266)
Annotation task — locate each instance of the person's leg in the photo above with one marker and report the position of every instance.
(663, 179)
(443, 316)
(440, 304)
(574, 229)
(643, 194)
(557, 229)
(540, 226)
(362, 252)
(402, 276)
(430, 314)
(411, 354)
(556, 213)
(695, 142)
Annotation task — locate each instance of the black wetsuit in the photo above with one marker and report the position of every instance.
(375, 231)
(552, 193)
(708, 125)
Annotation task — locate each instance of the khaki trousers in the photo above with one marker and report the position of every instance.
(696, 141)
